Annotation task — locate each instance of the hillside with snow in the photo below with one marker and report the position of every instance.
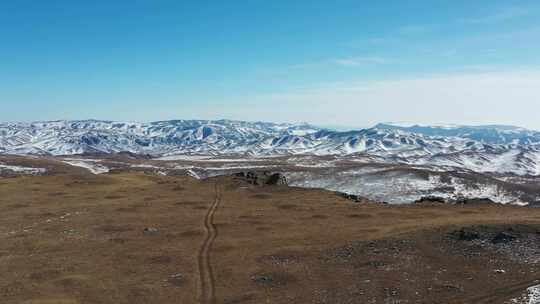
(501, 149)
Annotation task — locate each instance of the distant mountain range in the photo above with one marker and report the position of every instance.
(493, 148)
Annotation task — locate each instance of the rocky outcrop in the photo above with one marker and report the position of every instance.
(474, 201)
(430, 200)
(356, 198)
(503, 238)
(262, 178)
(277, 179)
(535, 204)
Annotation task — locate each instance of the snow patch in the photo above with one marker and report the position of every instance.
(90, 165)
(534, 294)
(21, 169)
(185, 157)
(530, 296)
(193, 174)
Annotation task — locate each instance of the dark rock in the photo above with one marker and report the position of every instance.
(535, 204)
(430, 199)
(240, 174)
(503, 238)
(354, 197)
(474, 201)
(276, 179)
(261, 279)
(262, 178)
(150, 230)
(250, 177)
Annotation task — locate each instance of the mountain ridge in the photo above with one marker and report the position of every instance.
(497, 148)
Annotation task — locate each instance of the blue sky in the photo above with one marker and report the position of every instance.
(350, 63)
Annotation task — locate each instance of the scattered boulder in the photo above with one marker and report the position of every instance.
(150, 230)
(261, 279)
(351, 197)
(250, 177)
(354, 197)
(276, 179)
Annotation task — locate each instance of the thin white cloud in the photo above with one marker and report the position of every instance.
(503, 14)
(394, 36)
(360, 61)
(352, 61)
(511, 97)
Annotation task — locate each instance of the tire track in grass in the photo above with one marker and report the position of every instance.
(206, 272)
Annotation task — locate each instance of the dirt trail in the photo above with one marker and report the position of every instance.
(207, 281)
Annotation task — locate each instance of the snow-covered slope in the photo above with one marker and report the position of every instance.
(158, 138)
(494, 148)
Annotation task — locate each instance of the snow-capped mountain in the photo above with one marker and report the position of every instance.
(493, 148)
(156, 138)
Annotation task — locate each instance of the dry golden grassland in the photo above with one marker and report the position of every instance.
(74, 237)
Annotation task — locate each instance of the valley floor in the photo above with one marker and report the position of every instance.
(74, 237)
